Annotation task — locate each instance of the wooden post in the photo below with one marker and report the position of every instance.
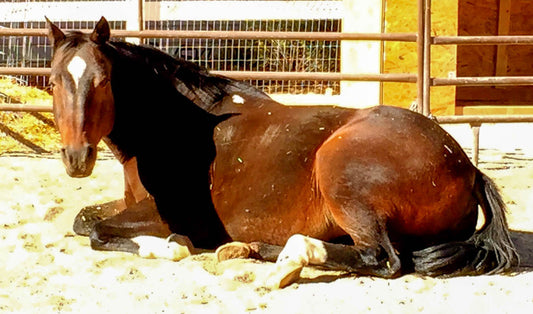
(426, 80)
(358, 57)
(504, 20)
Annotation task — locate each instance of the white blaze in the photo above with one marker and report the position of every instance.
(76, 67)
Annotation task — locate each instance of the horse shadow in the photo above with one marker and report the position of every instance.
(523, 241)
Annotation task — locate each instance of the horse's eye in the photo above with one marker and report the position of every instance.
(52, 81)
(103, 82)
(51, 85)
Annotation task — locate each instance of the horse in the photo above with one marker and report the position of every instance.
(379, 191)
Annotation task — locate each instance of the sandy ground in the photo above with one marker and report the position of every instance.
(45, 268)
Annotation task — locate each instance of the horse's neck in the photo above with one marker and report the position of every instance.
(119, 153)
(150, 104)
(133, 95)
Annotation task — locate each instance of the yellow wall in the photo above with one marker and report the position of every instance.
(401, 16)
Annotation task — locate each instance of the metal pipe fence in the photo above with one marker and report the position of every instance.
(252, 35)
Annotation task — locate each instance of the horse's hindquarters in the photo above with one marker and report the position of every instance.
(395, 170)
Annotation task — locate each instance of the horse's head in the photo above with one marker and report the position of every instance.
(83, 99)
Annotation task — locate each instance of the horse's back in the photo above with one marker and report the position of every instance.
(404, 168)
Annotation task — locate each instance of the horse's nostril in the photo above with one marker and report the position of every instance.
(90, 150)
(66, 156)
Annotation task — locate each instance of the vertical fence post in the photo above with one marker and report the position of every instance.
(424, 57)
(475, 149)
(420, 56)
(140, 18)
(426, 81)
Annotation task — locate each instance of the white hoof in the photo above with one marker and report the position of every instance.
(154, 247)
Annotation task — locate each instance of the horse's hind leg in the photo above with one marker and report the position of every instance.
(140, 230)
(301, 251)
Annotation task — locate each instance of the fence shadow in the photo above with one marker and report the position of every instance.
(21, 139)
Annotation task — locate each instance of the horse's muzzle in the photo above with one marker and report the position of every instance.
(79, 162)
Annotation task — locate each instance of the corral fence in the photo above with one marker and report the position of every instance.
(296, 56)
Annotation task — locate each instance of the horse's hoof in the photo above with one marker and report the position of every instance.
(155, 247)
(284, 275)
(182, 241)
(233, 250)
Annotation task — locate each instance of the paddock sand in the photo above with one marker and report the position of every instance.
(45, 268)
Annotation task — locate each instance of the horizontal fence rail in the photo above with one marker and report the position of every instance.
(484, 81)
(26, 108)
(403, 37)
(483, 40)
(24, 71)
(478, 119)
(262, 75)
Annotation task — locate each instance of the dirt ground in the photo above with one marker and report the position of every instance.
(45, 268)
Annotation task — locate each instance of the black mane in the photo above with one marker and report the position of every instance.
(191, 80)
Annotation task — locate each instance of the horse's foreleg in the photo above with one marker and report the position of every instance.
(134, 189)
(90, 215)
(173, 247)
(134, 192)
(140, 230)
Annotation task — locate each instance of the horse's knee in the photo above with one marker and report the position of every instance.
(97, 237)
(102, 239)
(88, 216)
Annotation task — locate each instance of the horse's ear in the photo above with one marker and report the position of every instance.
(101, 32)
(55, 35)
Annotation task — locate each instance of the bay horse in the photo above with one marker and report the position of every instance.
(224, 162)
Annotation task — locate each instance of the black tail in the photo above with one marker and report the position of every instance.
(489, 250)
